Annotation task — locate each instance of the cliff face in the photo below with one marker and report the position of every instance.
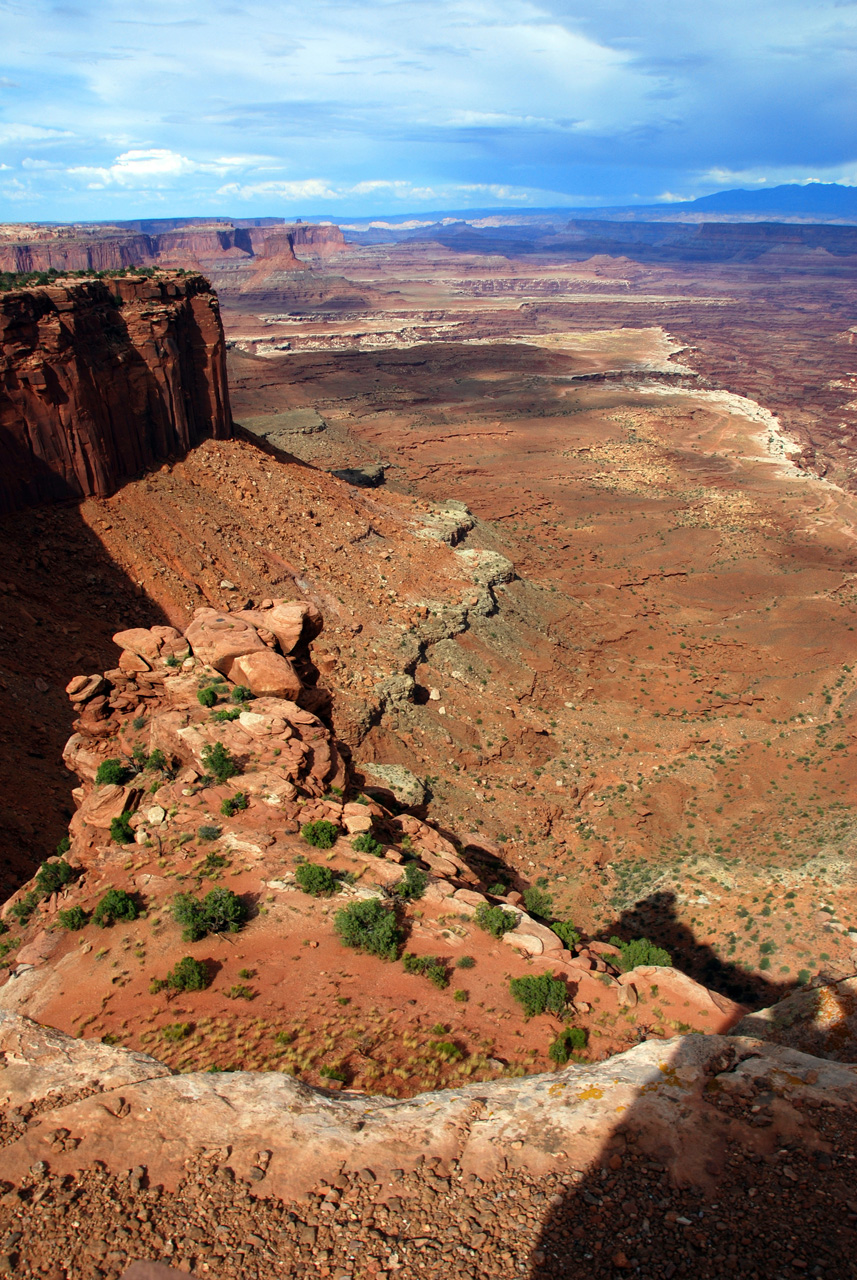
(102, 379)
(84, 249)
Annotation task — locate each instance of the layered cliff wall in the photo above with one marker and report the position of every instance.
(109, 249)
(101, 379)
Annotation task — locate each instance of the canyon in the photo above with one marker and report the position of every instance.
(537, 569)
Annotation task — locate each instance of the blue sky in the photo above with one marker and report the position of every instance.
(112, 109)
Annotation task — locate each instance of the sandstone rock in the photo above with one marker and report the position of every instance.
(106, 803)
(81, 688)
(535, 939)
(219, 638)
(131, 663)
(292, 622)
(266, 674)
(544, 1123)
(355, 823)
(678, 989)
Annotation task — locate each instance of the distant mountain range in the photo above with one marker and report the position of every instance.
(791, 202)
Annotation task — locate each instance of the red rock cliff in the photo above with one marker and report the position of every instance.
(101, 379)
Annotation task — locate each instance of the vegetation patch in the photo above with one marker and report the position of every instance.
(544, 994)
(369, 926)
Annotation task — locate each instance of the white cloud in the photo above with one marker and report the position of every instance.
(155, 167)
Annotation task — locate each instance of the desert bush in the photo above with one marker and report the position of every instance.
(366, 843)
(233, 804)
(219, 762)
(566, 932)
(321, 834)
(115, 905)
(639, 951)
(188, 974)
(240, 991)
(207, 697)
(369, 926)
(53, 876)
(25, 906)
(74, 918)
(63, 846)
(428, 966)
(413, 885)
(333, 1073)
(544, 994)
(498, 890)
(111, 772)
(460, 995)
(176, 1030)
(537, 902)
(317, 881)
(570, 1040)
(207, 832)
(226, 715)
(494, 920)
(121, 831)
(241, 694)
(465, 962)
(220, 911)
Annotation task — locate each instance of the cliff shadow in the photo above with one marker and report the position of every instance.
(717, 1169)
(62, 597)
(656, 918)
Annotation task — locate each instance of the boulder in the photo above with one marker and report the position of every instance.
(219, 638)
(106, 803)
(292, 623)
(267, 674)
(535, 939)
(81, 688)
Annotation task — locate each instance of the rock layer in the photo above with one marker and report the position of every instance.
(103, 379)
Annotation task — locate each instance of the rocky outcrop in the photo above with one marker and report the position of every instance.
(820, 1019)
(102, 379)
(126, 1110)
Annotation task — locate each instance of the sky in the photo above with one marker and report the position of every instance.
(111, 109)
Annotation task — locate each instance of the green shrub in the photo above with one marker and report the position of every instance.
(121, 831)
(115, 905)
(156, 760)
(544, 994)
(63, 846)
(321, 834)
(240, 991)
(460, 995)
(498, 890)
(73, 919)
(333, 1073)
(639, 951)
(803, 977)
(317, 881)
(414, 884)
(494, 920)
(220, 911)
(219, 762)
(207, 696)
(226, 715)
(447, 1050)
(25, 906)
(189, 975)
(52, 876)
(369, 926)
(537, 902)
(570, 1040)
(465, 962)
(566, 932)
(111, 772)
(366, 843)
(176, 1030)
(208, 832)
(241, 693)
(428, 966)
(232, 804)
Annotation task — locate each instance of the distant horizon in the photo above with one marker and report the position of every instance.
(430, 217)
